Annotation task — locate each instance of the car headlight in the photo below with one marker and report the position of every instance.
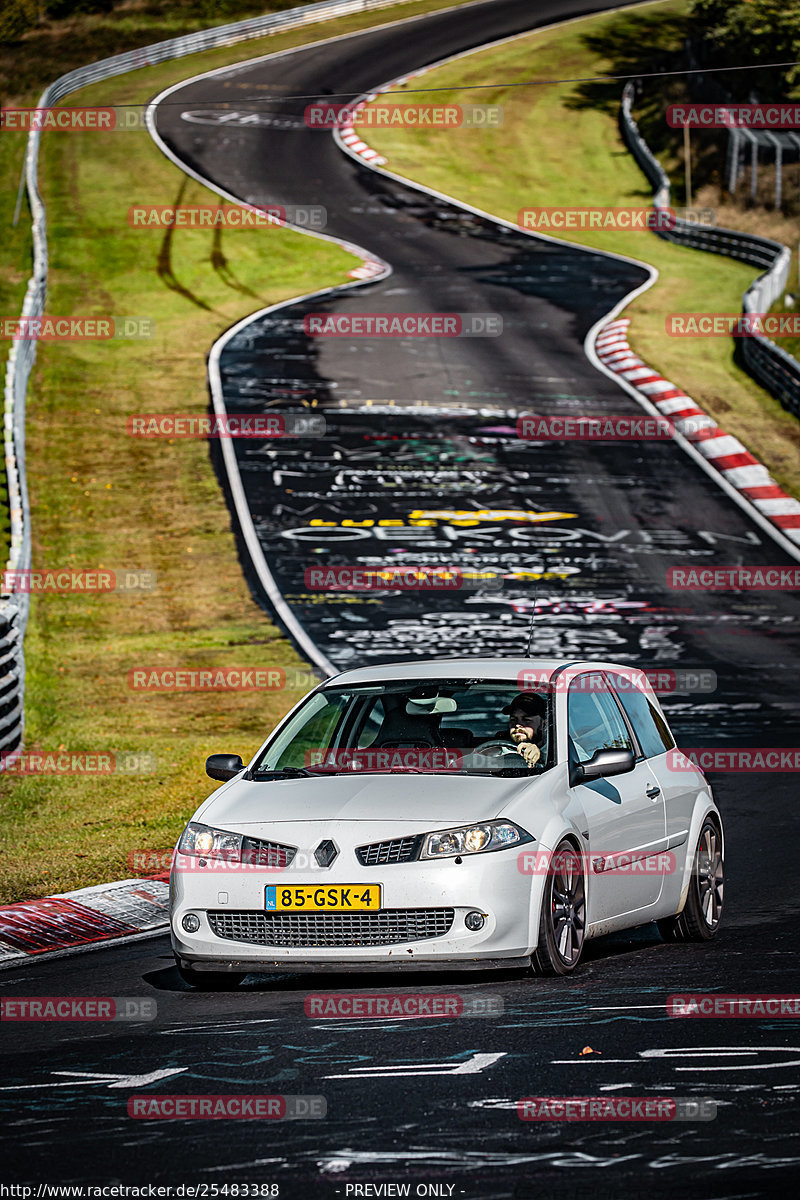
(473, 839)
(206, 842)
(221, 847)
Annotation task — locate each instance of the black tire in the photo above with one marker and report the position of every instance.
(210, 981)
(562, 923)
(702, 912)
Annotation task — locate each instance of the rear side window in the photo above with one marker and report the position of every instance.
(650, 727)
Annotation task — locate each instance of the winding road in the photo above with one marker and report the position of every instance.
(420, 435)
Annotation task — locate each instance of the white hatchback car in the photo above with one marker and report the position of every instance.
(464, 813)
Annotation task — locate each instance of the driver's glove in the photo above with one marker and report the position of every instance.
(530, 752)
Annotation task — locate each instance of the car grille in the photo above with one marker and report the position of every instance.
(398, 850)
(333, 929)
(266, 854)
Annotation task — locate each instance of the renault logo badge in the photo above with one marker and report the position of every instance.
(325, 853)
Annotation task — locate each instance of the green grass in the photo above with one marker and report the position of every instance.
(101, 498)
(559, 144)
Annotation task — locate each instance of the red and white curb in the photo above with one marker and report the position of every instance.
(353, 141)
(370, 269)
(78, 919)
(724, 453)
(356, 145)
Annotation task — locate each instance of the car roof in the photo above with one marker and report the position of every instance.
(504, 669)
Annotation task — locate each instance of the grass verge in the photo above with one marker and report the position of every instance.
(101, 498)
(559, 145)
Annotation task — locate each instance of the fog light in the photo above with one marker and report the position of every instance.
(191, 923)
(474, 921)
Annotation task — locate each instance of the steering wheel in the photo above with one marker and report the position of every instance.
(495, 748)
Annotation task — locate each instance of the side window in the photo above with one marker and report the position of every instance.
(593, 718)
(651, 728)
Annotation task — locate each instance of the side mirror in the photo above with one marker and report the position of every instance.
(602, 764)
(223, 766)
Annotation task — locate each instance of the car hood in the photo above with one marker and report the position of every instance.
(427, 800)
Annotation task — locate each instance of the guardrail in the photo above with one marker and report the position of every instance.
(14, 607)
(776, 370)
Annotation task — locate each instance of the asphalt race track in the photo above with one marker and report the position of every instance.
(437, 437)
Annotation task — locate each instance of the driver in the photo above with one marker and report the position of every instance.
(526, 714)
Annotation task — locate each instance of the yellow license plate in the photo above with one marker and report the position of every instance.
(336, 897)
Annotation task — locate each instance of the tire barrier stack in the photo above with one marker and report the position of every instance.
(14, 607)
(771, 366)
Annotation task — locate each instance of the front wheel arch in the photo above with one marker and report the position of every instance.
(549, 957)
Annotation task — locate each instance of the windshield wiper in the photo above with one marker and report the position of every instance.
(374, 771)
(503, 772)
(285, 773)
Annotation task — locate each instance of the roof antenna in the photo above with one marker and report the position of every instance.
(530, 627)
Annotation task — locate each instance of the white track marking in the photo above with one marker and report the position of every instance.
(473, 1066)
(88, 1078)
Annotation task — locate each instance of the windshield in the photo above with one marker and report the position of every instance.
(436, 727)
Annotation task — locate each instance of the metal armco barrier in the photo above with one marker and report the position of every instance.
(14, 608)
(776, 370)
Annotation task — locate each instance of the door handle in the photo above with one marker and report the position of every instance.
(652, 792)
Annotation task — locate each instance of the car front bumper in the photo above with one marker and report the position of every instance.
(491, 884)
(387, 966)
